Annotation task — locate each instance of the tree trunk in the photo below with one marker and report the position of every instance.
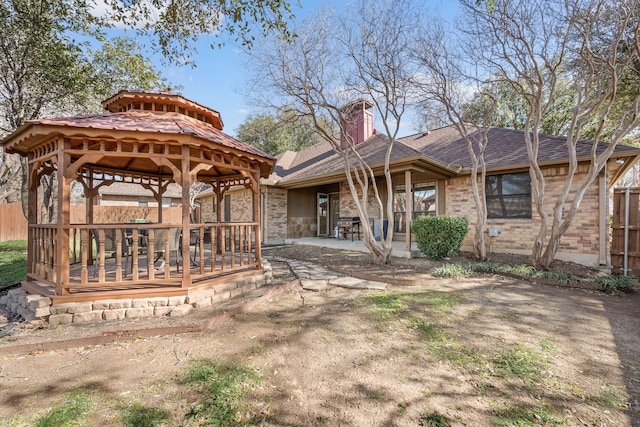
(24, 186)
(381, 252)
(479, 245)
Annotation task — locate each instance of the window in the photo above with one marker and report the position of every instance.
(508, 195)
(424, 203)
(143, 202)
(166, 202)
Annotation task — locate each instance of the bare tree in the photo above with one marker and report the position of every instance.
(195, 189)
(336, 62)
(447, 82)
(531, 45)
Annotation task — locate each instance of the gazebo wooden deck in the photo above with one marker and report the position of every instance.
(151, 139)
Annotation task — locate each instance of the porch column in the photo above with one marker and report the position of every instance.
(408, 187)
(64, 200)
(603, 217)
(186, 186)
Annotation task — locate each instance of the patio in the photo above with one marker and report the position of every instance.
(399, 247)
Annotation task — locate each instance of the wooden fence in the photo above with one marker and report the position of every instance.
(13, 225)
(625, 236)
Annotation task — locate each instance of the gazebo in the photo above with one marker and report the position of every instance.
(152, 139)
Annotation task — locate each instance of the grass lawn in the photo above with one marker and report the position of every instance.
(13, 262)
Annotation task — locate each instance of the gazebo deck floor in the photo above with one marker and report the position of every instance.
(200, 278)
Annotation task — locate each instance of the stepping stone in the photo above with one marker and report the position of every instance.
(370, 284)
(322, 275)
(361, 284)
(313, 285)
(345, 281)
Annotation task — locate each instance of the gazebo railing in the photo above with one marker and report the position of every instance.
(113, 256)
(44, 256)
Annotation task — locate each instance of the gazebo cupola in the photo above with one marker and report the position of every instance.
(151, 139)
(162, 102)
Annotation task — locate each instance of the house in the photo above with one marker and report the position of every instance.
(307, 192)
(128, 194)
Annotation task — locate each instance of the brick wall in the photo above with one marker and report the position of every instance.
(275, 215)
(274, 211)
(206, 208)
(581, 242)
(348, 205)
(241, 206)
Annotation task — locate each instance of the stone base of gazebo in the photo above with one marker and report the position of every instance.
(38, 307)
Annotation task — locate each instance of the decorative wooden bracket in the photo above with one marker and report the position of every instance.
(163, 188)
(201, 167)
(161, 161)
(72, 170)
(91, 191)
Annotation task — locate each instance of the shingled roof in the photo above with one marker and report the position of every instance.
(506, 148)
(144, 121)
(442, 148)
(173, 191)
(322, 160)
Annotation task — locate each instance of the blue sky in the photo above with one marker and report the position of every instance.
(220, 74)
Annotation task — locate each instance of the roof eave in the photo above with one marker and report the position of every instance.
(404, 163)
(548, 163)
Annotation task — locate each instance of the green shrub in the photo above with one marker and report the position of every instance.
(440, 236)
(614, 284)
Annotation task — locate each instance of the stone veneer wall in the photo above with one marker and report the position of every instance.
(580, 244)
(302, 227)
(31, 307)
(275, 215)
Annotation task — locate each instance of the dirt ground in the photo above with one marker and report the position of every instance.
(323, 359)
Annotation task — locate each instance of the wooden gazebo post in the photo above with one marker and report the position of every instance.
(32, 215)
(185, 181)
(255, 188)
(64, 220)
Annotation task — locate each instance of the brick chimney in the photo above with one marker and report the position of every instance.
(358, 122)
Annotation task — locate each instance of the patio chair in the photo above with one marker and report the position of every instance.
(175, 237)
